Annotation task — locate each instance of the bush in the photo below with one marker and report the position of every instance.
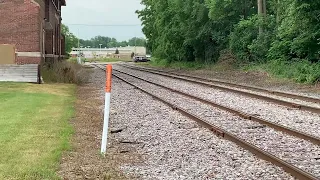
(241, 37)
(298, 33)
(301, 71)
(247, 44)
(64, 72)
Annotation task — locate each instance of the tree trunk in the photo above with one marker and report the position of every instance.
(260, 7)
(244, 9)
(265, 7)
(260, 13)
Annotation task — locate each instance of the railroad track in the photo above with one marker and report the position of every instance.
(213, 84)
(222, 132)
(290, 131)
(253, 88)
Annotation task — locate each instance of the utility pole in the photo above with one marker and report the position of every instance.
(135, 45)
(265, 7)
(260, 14)
(79, 51)
(100, 50)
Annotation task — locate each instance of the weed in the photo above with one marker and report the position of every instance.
(301, 71)
(64, 72)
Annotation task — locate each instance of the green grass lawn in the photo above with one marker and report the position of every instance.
(34, 129)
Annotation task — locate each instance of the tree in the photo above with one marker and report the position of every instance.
(190, 29)
(109, 42)
(117, 51)
(137, 42)
(70, 39)
(298, 31)
(122, 44)
(197, 30)
(262, 12)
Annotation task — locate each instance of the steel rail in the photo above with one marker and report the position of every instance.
(252, 88)
(290, 131)
(260, 97)
(293, 170)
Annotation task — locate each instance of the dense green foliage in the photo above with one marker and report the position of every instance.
(286, 32)
(245, 41)
(298, 32)
(70, 39)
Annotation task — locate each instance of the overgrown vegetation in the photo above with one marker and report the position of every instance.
(70, 39)
(300, 71)
(34, 129)
(281, 36)
(64, 72)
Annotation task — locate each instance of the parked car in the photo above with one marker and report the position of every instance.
(140, 59)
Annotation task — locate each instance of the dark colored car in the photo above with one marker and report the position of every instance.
(140, 59)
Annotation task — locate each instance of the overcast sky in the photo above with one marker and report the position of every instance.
(91, 14)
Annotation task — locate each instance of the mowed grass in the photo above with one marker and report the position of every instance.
(34, 129)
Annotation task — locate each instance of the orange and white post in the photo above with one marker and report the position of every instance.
(106, 109)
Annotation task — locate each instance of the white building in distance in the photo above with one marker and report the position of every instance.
(109, 52)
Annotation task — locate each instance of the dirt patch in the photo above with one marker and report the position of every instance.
(85, 160)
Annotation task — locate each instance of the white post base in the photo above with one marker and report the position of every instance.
(105, 123)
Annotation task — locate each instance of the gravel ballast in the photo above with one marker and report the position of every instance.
(250, 80)
(289, 117)
(175, 147)
(282, 145)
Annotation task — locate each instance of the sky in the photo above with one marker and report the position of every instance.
(112, 18)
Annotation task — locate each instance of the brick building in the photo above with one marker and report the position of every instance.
(33, 27)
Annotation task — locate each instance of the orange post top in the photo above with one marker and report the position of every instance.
(108, 78)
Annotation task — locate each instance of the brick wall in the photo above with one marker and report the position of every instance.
(49, 42)
(20, 26)
(23, 24)
(29, 60)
